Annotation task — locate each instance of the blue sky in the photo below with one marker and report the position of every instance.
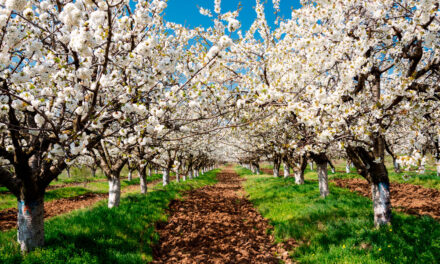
(186, 11)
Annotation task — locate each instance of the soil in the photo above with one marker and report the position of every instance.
(215, 224)
(8, 217)
(408, 198)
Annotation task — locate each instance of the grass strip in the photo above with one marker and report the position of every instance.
(100, 235)
(340, 228)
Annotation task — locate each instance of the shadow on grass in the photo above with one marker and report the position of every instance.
(101, 235)
(340, 228)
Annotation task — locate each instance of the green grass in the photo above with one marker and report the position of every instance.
(340, 228)
(100, 235)
(9, 200)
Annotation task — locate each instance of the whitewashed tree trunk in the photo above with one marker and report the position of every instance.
(311, 165)
(333, 170)
(323, 179)
(396, 166)
(150, 172)
(347, 167)
(191, 176)
(143, 178)
(299, 177)
(195, 174)
(286, 170)
(276, 172)
(422, 169)
(381, 203)
(30, 234)
(178, 174)
(130, 175)
(166, 177)
(114, 193)
(438, 167)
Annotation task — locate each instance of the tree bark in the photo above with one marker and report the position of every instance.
(311, 165)
(130, 175)
(143, 178)
(381, 203)
(286, 169)
(377, 175)
(114, 194)
(437, 165)
(166, 177)
(347, 167)
(30, 234)
(276, 169)
(323, 178)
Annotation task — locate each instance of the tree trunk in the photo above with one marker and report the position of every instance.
(150, 171)
(143, 178)
(323, 179)
(381, 203)
(299, 177)
(195, 174)
(286, 170)
(68, 172)
(333, 170)
(437, 164)
(130, 175)
(311, 165)
(396, 166)
(30, 234)
(166, 177)
(114, 194)
(347, 167)
(178, 174)
(191, 176)
(93, 172)
(276, 169)
(257, 168)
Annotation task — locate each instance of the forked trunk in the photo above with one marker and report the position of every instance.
(286, 170)
(166, 177)
(381, 203)
(114, 194)
(323, 179)
(30, 234)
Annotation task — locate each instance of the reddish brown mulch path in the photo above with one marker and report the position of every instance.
(8, 217)
(214, 224)
(408, 198)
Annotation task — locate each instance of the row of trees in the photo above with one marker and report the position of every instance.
(110, 82)
(352, 79)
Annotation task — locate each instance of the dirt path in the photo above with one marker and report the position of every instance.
(8, 217)
(408, 198)
(214, 224)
